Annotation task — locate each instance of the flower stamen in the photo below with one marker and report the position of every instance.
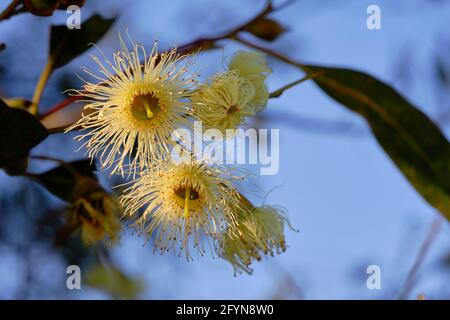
(187, 197)
(145, 107)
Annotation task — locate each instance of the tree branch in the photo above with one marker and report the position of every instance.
(10, 10)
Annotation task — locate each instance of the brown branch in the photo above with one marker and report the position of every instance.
(58, 129)
(61, 162)
(279, 92)
(270, 52)
(197, 45)
(208, 42)
(10, 10)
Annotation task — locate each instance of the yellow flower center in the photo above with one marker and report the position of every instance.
(145, 107)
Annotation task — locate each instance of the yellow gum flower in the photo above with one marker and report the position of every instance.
(134, 106)
(95, 213)
(181, 204)
(259, 232)
(253, 67)
(224, 102)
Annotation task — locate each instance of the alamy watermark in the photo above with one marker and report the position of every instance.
(373, 281)
(373, 22)
(238, 146)
(74, 279)
(74, 19)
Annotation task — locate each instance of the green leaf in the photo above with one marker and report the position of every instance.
(266, 29)
(20, 131)
(66, 44)
(42, 8)
(415, 144)
(61, 182)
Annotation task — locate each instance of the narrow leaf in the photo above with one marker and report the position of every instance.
(416, 145)
(61, 182)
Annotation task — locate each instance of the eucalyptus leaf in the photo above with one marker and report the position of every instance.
(20, 131)
(61, 181)
(67, 44)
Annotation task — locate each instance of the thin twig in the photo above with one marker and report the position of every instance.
(279, 92)
(420, 258)
(196, 45)
(61, 162)
(58, 129)
(207, 42)
(270, 52)
(285, 4)
(316, 125)
(40, 86)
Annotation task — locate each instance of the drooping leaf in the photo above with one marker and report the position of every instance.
(279, 92)
(67, 44)
(20, 131)
(443, 72)
(415, 144)
(112, 280)
(266, 29)
(61, 181)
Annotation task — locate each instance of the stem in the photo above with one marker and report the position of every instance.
(148, 110)
(43, 78)
(279, 92)
(64, 164)
(30, 175)
(58, 129)
(208, 42)
(269, 52)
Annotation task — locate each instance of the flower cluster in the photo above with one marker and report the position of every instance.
(131, 110)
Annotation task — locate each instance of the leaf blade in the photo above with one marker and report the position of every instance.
(20, 131)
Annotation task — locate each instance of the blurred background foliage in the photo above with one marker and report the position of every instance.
(39, 236)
